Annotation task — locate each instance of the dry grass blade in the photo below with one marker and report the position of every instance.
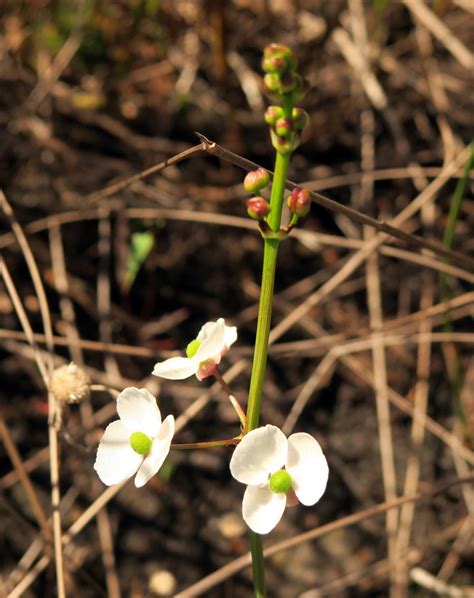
(52, 406)
(436, 26)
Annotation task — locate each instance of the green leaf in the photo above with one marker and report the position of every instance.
(140, 247)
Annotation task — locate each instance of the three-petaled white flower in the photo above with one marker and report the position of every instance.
(138, 442)
(272, 465)
(203, 353)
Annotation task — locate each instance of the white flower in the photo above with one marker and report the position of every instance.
(203, 353)
(136, 443)
(272, 465)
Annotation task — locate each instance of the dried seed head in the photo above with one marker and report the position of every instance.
(70, 384)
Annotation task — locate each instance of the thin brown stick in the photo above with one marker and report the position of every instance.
(108, 557)
(24, 322)
(23, 476)
(379, 174)
(52, 74)
(116, 187)
(383, 227)
(417, 433)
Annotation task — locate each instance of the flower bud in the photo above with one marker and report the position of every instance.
(272, 114)
(256, 180)
(299, 202)
(283, 127)
(258, 208)
(274, 64)
(272, 83)
(279, 58)
(70, 384)
(300, 118)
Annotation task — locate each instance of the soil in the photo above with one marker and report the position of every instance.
(92, 95)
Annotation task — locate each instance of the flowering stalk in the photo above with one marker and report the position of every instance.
(283, 84)
(270, 254)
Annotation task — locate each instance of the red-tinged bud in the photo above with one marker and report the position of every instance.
(275, 64)
(284, 127)
(256, 180)
(299, 202)
(271, 49)
(272, 114)
(258, 208)
(300, 118)
(280, 51)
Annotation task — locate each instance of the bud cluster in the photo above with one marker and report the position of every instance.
(282, 83)
(281, 78)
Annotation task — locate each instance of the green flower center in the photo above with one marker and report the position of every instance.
(192, 348)
(280, 482)
(141, 443)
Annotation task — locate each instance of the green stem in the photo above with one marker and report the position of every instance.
(258, 566)
(270, 253)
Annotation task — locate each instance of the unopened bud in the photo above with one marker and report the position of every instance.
(258, 208)
(70, 384)
(279, 58)
(283, 127)
(299, 202)
(272, 83)
(272, 114)
(274, 64)
(300, 118)
(256, 180)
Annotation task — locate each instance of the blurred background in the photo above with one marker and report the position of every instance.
(94, 92)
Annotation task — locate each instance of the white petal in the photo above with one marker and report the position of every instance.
(176, 368)
(159, 452)
(138, 410)
(116, 460)
(307, 467)
(208, 329)
(262, 509)
(259, 454)
(230, 333)
(212, 337)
